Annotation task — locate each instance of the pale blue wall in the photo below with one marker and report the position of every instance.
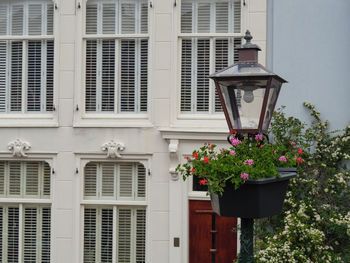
(309, 45)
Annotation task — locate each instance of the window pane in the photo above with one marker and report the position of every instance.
(237, 16)
(13, 234)
(47, 180)
(30, 235)
(1, 233)
(46, 235)
(17, 19)
(108, 74)
(90, 183)
(124, 237)
(32, 178)
(186, 17)
(91, 18)
(144, 18)
(203, 18)
(144, 75)
(128, 18)
(221, 61)
(49, 75)
(222, 17)
(16, 76)
(34, 76)
(90, 75)
(106, 235)
(108, 18)
(2, 179)
(203, 56)
(3, 19)
(3, 73)
(140, 235)
(15, 178)
(90, 222)
(108, 183)
(34, 19)
(141, 181)
(125, 182)
(186, 75)
(49, 19)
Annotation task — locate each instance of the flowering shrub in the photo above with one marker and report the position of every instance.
(248, 158)
(315, 223)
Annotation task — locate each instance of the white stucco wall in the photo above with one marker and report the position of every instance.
(67, 142)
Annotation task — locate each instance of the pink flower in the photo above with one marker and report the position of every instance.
(248, 162)
(203, 181)
(259, 137)
(235, 141)
(233, 153)
(282, 158)
(244, 176)
(293, 144)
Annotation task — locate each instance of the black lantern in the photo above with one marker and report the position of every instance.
(248, 91)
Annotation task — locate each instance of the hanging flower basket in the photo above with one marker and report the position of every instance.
(255, 198)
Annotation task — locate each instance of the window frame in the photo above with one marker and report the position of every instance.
(109, 119)
(34, 202)
(35, 119)
(201, 120)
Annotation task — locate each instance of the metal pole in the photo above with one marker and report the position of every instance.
(246, 254)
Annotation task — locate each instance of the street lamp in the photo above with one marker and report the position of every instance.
(248, 94)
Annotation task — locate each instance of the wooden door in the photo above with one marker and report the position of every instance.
(211, 237)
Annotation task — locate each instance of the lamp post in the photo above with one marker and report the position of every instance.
(248, 94)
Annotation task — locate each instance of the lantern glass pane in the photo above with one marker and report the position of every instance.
(271, 103)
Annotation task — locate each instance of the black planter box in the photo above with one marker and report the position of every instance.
(254, 199)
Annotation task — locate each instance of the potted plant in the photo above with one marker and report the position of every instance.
(248, 180)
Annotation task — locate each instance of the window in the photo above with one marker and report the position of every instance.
(26, 56)
(25, 228)
(114, 226)
(116, 56)
(210, 33)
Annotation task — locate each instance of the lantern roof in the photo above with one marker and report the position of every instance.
(244, 70)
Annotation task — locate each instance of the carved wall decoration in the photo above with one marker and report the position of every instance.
(18, 148)
(174, 159)
(113, 148)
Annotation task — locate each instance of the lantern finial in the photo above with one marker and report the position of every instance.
(248, 37)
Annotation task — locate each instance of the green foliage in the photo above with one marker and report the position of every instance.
(248, 159)
(315, 223)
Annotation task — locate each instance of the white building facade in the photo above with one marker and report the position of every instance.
(99, 102)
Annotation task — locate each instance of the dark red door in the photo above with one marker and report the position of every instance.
(211, 237)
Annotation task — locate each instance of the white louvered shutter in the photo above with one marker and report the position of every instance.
(46, 235)
(15, 178)
(46, 185)
(91, 18)
(143, 75)
(127, 75)
(30, 234)
(32, 179)
(17, 19)
(144, 18)
(108, 18)
(3, 18)
(108, 75)
(49, 75)
(203, 22)
(124, 236)
(90, 180)
(49, 23)
(203, 65)
(91, 76)
(16, 76)
(2, 179)
(90, 233)
(106, 242)
(34, 76)
(2, 234)
(34, 19)
(108, 180)
(140, 235)
(128, 13)
(141, 181)
(221, 15)
(12, 234)
(186, 75)
(125, 180)
(3, 75)
(186, 17)
(237, 16)
(221, 61)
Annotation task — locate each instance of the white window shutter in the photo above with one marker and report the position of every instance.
(141, 181)
(90, 180)
(2, 234)
(3, 73)
(143, 75)
(15, 178)
(108, 75)
(125, 180)
(237, 16)
(12, 234)
(127, 75)
(203, 19)
(32, 179)
(91, 75)
(108, 18)
(236, 43)
(221, 61)
(17, 19)
(49, 21)
(91, 18)
(203, 65)
(90, 232)
(222, 17)
(46, 235)
(128, 12)
(34, 19)
(2, 179)
(186, 75)
(34, 76)
(16, 76)
(49, 75)
(3, 19)
(106, 242)
(30, 230)
(108, 179)
(124, 236)
(186, 17)
(144, 18)
(46, 180)
(140, 235)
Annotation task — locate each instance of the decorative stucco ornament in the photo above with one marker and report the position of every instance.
(112, 148)
(18, 148)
